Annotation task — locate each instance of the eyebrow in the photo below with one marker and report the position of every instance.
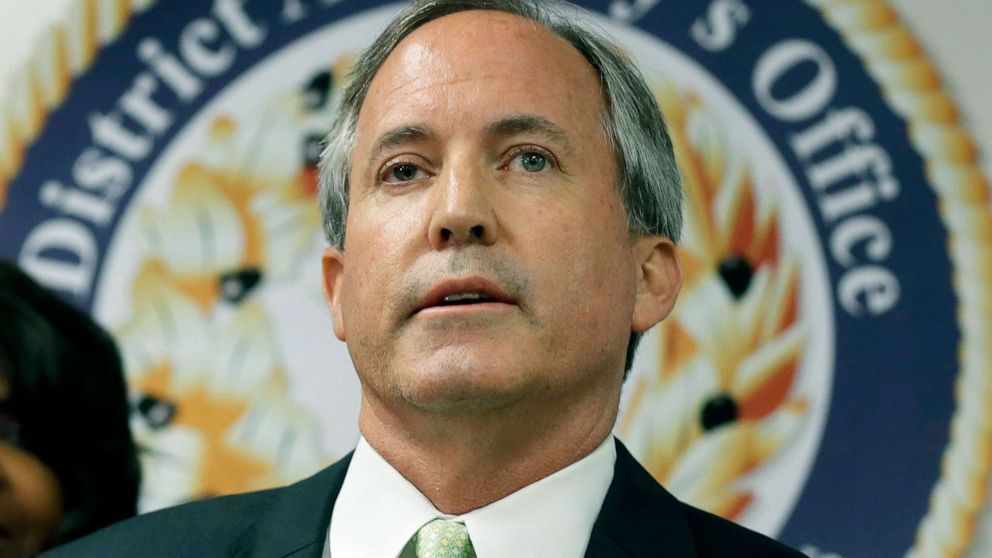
(502, 128)
(400, 136)
(528, 124)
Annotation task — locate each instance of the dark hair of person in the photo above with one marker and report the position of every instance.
(67, 392)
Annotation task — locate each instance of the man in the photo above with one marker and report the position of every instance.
(502, 204)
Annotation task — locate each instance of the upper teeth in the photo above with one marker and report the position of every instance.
(462, 296)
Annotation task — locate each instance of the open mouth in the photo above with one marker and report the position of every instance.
(462, 299)
(473, 291)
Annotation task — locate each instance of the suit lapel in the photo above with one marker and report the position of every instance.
(295, 523)
(639, 517)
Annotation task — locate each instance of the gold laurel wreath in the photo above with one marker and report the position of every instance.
(242, 212)
(721, 401)
(64, 52)
(912, 86)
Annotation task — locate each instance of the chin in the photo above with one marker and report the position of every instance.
(461, 384)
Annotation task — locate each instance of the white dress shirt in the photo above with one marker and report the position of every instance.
(378, 511)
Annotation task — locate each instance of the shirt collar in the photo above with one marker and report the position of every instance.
(378, 510)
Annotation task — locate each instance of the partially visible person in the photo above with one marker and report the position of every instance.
(68, 465)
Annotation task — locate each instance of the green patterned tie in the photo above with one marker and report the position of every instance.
(444, 539)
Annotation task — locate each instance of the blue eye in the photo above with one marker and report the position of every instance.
(533, 162)
(530, 159)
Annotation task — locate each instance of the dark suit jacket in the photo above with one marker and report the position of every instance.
(638, 519)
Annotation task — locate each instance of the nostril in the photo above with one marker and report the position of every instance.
(477, 231)
(445, 234)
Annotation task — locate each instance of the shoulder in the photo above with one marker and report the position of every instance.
(715, 536)
(640, 518)
(202, 528)
(279, 521)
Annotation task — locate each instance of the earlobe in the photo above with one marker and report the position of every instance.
(659, 281)
(333, 267)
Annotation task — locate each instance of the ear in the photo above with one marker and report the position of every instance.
(659, 279)
(333, 265)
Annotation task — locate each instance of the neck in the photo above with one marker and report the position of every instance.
(463, 461)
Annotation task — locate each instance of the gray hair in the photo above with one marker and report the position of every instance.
(648, 180)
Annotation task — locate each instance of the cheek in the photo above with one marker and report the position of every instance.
(382, 226)
(32, 490)
(374, 263)
(586, 266)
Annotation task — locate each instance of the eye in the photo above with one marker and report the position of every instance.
(401, 172)
(533, 162)
(530, 160)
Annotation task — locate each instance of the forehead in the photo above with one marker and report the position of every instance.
(482, 60)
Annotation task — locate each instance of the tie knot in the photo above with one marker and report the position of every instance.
(444, 539)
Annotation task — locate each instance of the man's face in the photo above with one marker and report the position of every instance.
(487, 256)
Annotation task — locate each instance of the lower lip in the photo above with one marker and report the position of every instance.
(457, 310)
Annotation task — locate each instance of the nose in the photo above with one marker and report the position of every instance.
(463, 213)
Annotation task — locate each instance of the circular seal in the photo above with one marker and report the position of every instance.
(823, 378)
